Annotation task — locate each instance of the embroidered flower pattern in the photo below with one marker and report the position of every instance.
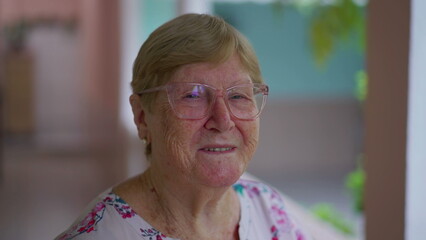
(299, 235)
(152, 232)
(282, 224)
(274, 232)
(88, 224)
(120, 205)
(281, 218)
(251, 189)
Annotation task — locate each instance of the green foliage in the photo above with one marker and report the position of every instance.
(355, 182)
(335, 22)
(331, 22)
(328, 213)
(361, 89)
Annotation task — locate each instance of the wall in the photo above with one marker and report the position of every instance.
(281, 41)
(415, 210)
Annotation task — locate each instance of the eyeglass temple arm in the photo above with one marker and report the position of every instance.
(154, 89)
(265, 89)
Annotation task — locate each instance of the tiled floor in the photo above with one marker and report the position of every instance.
(41, 194)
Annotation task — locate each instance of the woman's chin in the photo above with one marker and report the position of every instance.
(223, 173)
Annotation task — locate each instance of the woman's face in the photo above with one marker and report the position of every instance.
(213, 151)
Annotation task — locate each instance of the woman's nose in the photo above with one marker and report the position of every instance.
(220, 116)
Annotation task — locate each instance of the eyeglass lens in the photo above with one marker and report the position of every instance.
(194, 101)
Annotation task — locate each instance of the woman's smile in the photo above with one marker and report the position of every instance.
(218, 149)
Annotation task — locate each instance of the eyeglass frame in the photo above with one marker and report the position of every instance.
(263, 87)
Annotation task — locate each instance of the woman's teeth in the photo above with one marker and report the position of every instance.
(217, 149)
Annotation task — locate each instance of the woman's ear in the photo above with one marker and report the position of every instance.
(139, 116)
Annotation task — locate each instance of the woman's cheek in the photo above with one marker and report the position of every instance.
(177, 142)
(250, 132)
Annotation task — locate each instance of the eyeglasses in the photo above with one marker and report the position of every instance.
(195, 100)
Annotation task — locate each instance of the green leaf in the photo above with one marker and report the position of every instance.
(329, 214)
(333, 23)
(355, 182)
(361, 89)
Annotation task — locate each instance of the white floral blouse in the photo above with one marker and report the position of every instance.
(263, 217)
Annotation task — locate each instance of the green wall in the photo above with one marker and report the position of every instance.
(281, 42)
(154, 13)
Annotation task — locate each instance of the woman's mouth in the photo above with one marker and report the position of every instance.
(224, 149)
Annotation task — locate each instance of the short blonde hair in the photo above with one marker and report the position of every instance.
(189, 38)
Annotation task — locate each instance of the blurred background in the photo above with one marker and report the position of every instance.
(66, 125)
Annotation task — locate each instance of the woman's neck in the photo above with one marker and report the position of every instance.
(182, 210)
(187, 210)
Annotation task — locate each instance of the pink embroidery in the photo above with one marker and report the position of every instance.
(151, 232)
(88, 223)
(281, 218)
(120, 206)
(274, 232)
(252, 189)
(299, 235)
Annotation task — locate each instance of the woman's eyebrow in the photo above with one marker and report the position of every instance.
(240, 81)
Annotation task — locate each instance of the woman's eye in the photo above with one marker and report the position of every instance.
(191, 96)
(237, 97)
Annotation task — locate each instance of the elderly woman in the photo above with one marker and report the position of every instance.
(197, 97)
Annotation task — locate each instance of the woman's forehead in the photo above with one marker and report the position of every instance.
(229, 72)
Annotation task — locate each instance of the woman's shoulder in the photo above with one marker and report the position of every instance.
(101, 220)
(264, 209)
